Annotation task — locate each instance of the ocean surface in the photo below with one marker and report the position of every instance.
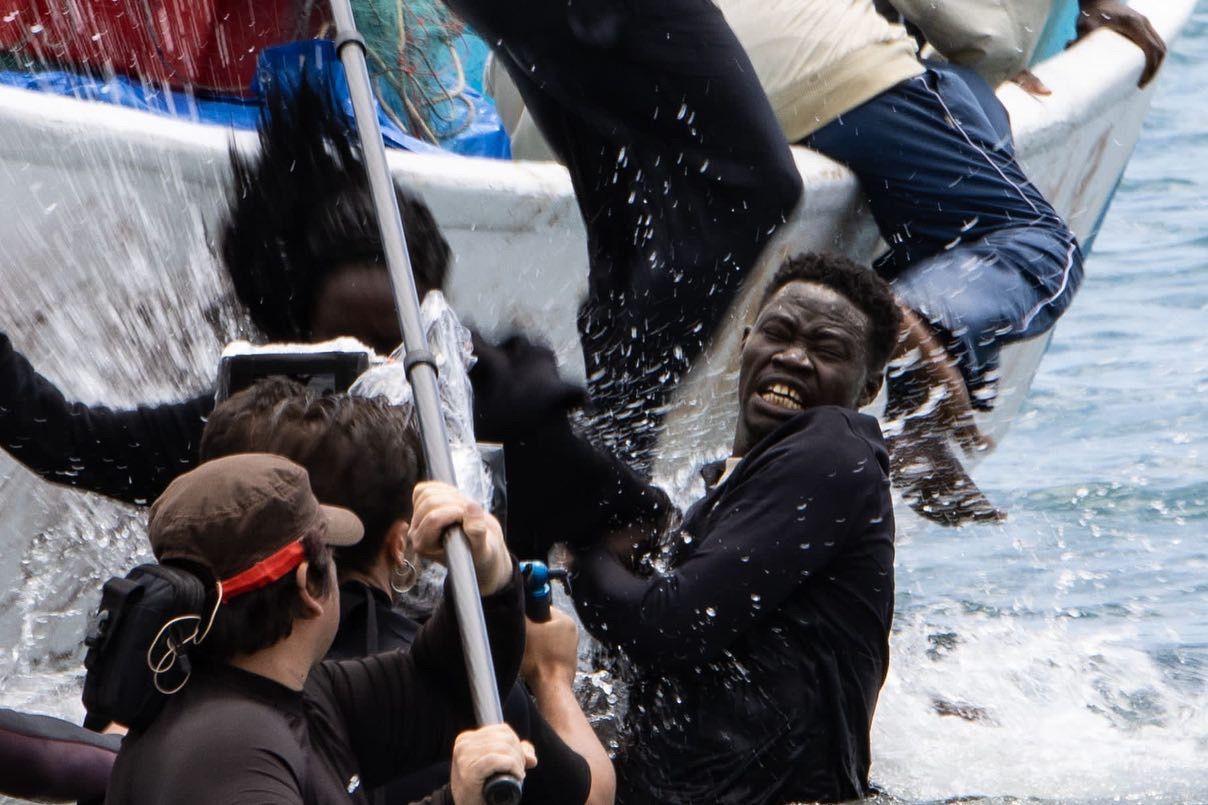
(1059, 657)
(1076, 634)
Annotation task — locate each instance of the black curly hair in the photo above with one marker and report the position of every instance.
(301, 209)
(858, 283)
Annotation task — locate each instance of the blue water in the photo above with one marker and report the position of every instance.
(1079, 629)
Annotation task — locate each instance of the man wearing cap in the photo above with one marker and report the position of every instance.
(263, 720)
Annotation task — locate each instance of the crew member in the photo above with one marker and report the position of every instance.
(760, 643)
(263, 719)
(364, 455)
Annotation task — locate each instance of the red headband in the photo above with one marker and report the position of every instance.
(264, 572)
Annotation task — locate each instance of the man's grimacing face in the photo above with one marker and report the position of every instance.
(807, 347)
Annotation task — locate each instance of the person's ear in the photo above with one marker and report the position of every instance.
(312, 605)
(746, 332)
(395, 545)
(872, 387)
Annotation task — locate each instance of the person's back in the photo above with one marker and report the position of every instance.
(819, 58)
(224, 718)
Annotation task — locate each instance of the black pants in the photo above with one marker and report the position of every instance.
(679, 166)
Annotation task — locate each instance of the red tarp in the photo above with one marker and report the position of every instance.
(207, 44)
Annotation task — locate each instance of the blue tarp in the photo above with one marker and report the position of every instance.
(1058, 32)
(287, 63)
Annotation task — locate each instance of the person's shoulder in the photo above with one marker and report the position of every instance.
(230, 723)
(215, 747)
(829, 432)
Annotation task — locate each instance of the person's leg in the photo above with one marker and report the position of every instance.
(975, 251)
(680, 169)
(52, 760)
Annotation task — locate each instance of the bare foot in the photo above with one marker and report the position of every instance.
(933, 481)
(1031, 83)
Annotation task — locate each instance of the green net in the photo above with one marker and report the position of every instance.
(418, 58)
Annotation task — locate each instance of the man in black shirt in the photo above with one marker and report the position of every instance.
(760, 641)
(263, 719)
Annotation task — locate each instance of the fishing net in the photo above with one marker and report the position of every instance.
(426, 65)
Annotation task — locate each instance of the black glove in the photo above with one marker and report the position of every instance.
(560, 487)
(517, 389)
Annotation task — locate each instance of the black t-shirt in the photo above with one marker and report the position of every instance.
(234, 737)
(760, 652)
(369, 624)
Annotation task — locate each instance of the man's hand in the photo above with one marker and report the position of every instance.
(551, 650)
(1132, 25)
(438, 506)
(1030, 83)
(478, 755)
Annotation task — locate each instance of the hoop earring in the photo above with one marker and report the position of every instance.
(402, 580)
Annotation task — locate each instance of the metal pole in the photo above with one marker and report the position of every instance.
(420, 367)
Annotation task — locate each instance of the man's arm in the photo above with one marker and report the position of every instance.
(403, 710)
(1132, 25)
(574, 767)
(51, 760)
(681, 173)
(413, 705)
(786, 520)
(128, 455)
(560, 487)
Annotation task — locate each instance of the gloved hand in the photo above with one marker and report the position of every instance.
(561, 488)
(517, 389)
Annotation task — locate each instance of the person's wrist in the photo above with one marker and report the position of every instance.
(498, 574)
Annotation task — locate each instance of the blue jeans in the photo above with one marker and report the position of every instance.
(974, 247)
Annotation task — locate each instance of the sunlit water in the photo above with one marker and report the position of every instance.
(1073, 639)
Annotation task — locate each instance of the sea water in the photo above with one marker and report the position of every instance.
(1074, 638)
(1062, 656)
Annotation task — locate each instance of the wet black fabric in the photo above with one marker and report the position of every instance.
(234, 737)
(760, 651)
(680, 169)
(49, 759)
(369, 624)
(131, 455)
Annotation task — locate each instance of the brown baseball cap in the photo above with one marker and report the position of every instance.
(234, 513)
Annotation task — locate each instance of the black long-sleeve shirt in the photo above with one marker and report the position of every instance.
(235, 738)
(369, 624)
(131, 455)
(761, 651)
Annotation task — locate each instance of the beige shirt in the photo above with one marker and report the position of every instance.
(816, 59)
